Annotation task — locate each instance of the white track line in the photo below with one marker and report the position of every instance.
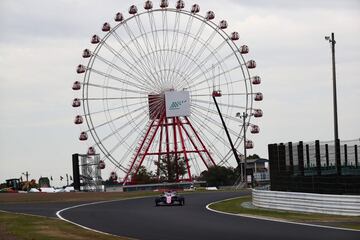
(273, 219)
(58, 214)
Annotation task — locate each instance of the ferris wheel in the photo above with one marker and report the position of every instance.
(146, 90)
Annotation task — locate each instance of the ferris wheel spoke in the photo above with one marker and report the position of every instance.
(210, 143)
(114, 108)
(191, 70)
(148, 46)
(221, 84)
(140, 50)
(110, 98)
(135, 73)
(115, 119)
(220, 104)
(189, 67)
(123, 142)
(216, 123)
(117, 79)
(213, 77)
(121, 70)
(197, 106)
(124, 126)
(184, 41)
(115, 88)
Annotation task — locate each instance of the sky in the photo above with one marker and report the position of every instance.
(41, 44)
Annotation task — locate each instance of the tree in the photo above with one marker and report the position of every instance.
(254, 156)
(171, 168)
(143, 176)
(219, 176)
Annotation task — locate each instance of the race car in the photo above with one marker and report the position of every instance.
(170, 198)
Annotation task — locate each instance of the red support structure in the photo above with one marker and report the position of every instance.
(170, 139)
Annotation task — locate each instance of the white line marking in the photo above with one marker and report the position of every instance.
(58, 214)
(273, 219)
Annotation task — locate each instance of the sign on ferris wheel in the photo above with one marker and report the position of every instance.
(177, 103)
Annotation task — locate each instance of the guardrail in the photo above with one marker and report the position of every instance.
(348, 205)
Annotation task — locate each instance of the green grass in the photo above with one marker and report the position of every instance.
(19, 226)
(234, 206)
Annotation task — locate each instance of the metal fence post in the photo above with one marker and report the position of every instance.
(318, 159)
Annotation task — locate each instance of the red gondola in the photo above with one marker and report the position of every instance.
(106, 27)
(78, 119)
(83, 136)
(249, 144)
(251, 64)
(86, 53)
(91, 151)
(234, 36)
(148, 5)
(101, 164)
(180, 4)
(210, 15)
(80, 68)
(76, 102)
(256, 80)
(133, 9)
(119, 17)
(223, 24)
(95, 39)
(195, 8)
(258, 96)
(164, 3)
(216, 93)
(258, 113)
(244, 49)
(76, 85)
(255, 129)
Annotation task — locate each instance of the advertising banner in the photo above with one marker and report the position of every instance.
(177, 103)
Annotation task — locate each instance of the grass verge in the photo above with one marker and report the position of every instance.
(235, 206)
(25, 227)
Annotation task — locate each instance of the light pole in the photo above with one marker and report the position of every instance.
(333, 42)
(243, 117)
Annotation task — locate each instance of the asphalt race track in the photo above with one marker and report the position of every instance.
(139, 218)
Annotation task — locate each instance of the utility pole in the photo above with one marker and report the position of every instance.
(26, 174)
(336, 131)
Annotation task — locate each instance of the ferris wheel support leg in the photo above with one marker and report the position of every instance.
(149, 144)
(184, 150)
(160, 149)
(201, 142)
(175, 148)
(194, 145)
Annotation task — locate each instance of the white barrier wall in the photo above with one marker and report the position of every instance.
(348, 205)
